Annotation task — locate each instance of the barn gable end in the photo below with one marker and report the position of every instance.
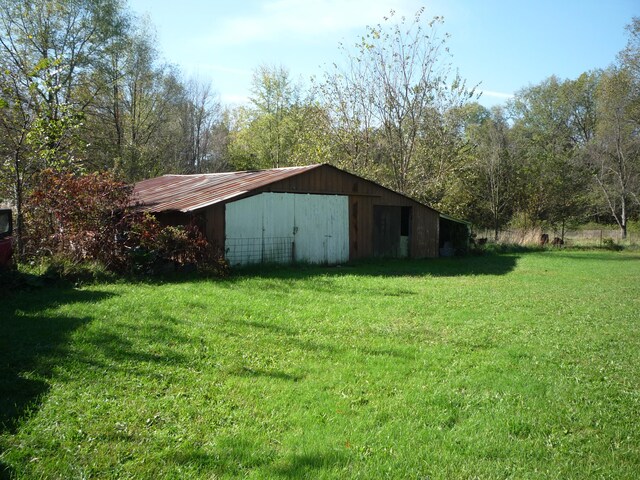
(373, 220)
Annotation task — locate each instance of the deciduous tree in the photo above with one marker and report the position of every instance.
(389, 101)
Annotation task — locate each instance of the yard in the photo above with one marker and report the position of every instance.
(502, 366)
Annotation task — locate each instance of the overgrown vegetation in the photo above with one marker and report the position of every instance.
(84, 89)
(516, 366)
(78, 223)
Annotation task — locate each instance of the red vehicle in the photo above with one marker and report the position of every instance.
(6, 241)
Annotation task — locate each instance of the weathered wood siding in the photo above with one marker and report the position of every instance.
(215, 219)
(363, 196)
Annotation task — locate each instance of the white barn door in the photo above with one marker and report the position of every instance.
(283, 227)
(322, 223)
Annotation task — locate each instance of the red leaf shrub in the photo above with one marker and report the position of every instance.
(87, 218)
(75, 216)
(152, 248)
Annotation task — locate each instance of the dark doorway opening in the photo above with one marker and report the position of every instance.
(391, 231)
(454, 236)
(405, 231)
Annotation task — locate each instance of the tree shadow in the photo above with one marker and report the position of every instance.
(231, 456)
(433, 267)
(237, 456)
(608, 256)
(304, 465)
(487, 264)
(33, 342)
(269, 374)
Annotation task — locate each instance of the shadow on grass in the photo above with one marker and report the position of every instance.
(269, 374)
(600, 256)
(304, 465)
(433, 267)
(32, 343)
(233, 456)
(487, 264)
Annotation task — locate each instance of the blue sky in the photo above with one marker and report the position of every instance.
(502, 45)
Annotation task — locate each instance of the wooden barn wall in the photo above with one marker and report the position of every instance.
(424, 239)
(214, 216)
(210, 220)
(363, 195)
(173, 218)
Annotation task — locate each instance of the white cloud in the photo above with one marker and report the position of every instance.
(277, 19)
(502, 95)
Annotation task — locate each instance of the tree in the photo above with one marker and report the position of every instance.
(48, 49)
(492, 168)
(614, 153)
(389, 103)
(276, 130)
(552, 121)
(200, 115)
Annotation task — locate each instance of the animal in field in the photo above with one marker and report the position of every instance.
(544, 239)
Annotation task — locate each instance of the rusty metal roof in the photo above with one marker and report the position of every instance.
(187, 193)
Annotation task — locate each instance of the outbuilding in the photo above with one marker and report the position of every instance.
(315, 213)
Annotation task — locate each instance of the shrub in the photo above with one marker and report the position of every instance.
(500, 248)
(610, 244)
(75, 217)
(84, 219)
(151, 248)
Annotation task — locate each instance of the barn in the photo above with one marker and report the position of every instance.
(315, 213)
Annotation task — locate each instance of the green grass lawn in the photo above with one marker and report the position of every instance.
(504, 366)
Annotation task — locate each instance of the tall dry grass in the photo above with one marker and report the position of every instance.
(593, 237)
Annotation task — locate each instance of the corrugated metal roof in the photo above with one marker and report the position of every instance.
(187, 193)
(453, 219)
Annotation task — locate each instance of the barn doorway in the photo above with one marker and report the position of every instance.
(454, 236)
(391, 231)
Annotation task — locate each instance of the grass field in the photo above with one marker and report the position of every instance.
(503, 366)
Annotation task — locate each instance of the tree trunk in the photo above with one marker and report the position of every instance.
(19, 216)
(623, 218)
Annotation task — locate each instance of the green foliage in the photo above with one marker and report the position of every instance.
(84, 219)
(151, 248)
(610, 244)
(84, 88)
(60, 269)
(491, 367)
(389, 103)
(280, 128)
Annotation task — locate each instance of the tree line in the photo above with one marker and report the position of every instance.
(84, 89)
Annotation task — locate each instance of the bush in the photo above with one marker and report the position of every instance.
(610, 244)
(60, 268)
(147, 247)
(500, 248)
(86, 219)
(74, 217)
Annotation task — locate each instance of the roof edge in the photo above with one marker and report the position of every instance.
(453, 219)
